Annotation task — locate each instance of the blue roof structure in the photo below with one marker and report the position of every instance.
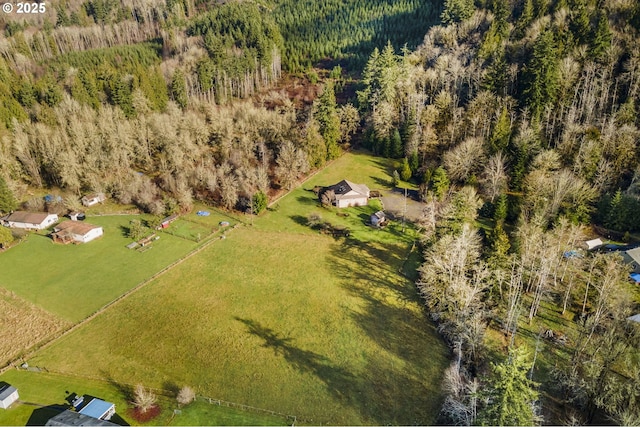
(97, 408)
(635, 277)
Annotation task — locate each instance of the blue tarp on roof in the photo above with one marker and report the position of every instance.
(97, 408)
(635, 277)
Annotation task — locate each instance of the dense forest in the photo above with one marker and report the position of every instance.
(520, 118)
(517, 120)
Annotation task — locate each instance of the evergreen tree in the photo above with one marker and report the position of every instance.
(259, 202)
(524, 19)
(457, 11)
(500, 209)
(510, 394)
(414, 163)
(397, 149)
(439, 183)
(542, 75)
(329, 121)
(580, 24)
(7, 201)
(501, 132)
(601, 37)
(179, 89)
(405, 172)
(496, 76)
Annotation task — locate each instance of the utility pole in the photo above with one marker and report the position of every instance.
(404, 212)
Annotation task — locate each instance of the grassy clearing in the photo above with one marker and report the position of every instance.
(279, 317)
(72, 281)
(45, 395)
(337, 337)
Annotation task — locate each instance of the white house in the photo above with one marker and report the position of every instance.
(8, 395)
(348, 194)
(93, 199)
(30, 220)
(76, 232)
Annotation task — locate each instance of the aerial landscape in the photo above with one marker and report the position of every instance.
(319, 212)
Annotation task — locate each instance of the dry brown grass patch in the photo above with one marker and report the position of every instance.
(24, 324)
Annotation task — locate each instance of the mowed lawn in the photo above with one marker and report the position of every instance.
(279, 317)
(73, 281)
(43, 396)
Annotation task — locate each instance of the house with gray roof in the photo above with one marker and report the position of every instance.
(348, 193)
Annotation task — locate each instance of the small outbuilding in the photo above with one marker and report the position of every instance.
(167, 221)
(30, 220)
(93, 199)
(593, 244)
(378, 218)
(77, 216)
(8, 395)
(98, 408)
(76, 232)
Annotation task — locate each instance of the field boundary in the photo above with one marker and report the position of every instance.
(55, 337)
(169, 394)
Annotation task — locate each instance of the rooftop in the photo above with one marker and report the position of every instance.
(70, 418)
(97, 408)
(27, 217)
(6, 391)
(75, 227)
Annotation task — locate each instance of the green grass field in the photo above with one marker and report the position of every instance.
(279, 317)
(44, 395)
(72, 281)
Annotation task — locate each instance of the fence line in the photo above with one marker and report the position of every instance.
(53, 338)
(170, 394)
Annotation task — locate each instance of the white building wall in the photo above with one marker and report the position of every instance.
(4, 404)
(91, 235)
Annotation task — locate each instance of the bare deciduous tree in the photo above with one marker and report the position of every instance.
(186, 395)
(143, 399)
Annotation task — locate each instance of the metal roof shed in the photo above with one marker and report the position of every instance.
(98, 408)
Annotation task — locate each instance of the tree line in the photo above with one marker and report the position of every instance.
(526, 114)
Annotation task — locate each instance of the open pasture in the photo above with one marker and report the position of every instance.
(73, 281)
(279, 317)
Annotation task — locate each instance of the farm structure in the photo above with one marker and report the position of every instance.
(97, 408)
(348, 194)
(8, 395)
(30, 220)
(167, 221)
(76, 232)
(93, 199)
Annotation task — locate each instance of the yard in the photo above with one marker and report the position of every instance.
(279, 317)
(73, 281)
(44, 395)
